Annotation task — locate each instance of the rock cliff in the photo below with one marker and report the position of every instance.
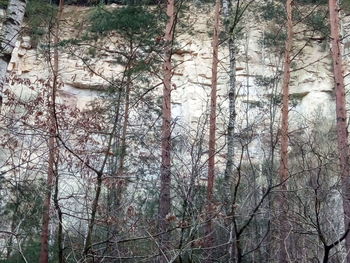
(311, 87)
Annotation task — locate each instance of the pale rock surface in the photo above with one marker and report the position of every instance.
(313, 84)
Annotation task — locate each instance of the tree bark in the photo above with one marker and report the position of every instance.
(212, 133)
(50, 183)
(120, 172)
(341, 116)
(44, 251)
(165, 171)
(9, 34)
(283, 169)
(232, 98)
(125, 127)
(227, 12)
(60, 223)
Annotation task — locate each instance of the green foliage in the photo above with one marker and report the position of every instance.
(298, 96)
(23, 210)
(273, 40)
(82, 2)
(40, 15)
(129, 21)
(92, 51)
(138, 30)
(3, 4)
(150, 204)
(273, 11)
(317, 21)
(26, 204)
(345, 6)
(276, 99)
(264, 81)
(31, 252)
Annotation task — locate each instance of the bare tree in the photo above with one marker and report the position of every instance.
(52, 172)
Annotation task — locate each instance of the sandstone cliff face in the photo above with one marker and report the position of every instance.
(84, 79)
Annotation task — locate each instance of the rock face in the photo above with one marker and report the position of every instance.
(311, 88)
(84, 73)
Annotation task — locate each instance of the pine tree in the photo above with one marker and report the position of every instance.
(341, 116)
(212, 131)
(165, 170)
(283, 169)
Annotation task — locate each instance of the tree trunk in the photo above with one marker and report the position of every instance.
(50, 182)
(60, 223)
(227, 11)
(165, 171)
(44, 251)
(121, 187)
(232, 106)
(99, 174)
(283, 169)
(9, 33)
(55, 198)
(342, 132)
(88, 241)
(212, 133)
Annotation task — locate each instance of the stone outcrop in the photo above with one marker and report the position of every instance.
(83, 79)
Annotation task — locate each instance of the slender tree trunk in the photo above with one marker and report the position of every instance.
(50, 182)
(165, 171)
(56, 202)
(88, 241)
(342, 132)
(44, 251)
(326, 255)
(283, 169)
(99, 174)
(9, 34)
(120, 172)
(116, 194)
(125, 127)
(232, 111)
(60, 223)
(227, 11)
(212, 132)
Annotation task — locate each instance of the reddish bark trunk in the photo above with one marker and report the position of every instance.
(50, 183)
(165, 171)
(283, 169)
(342, 132)
(212, 132)
(44, 251)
